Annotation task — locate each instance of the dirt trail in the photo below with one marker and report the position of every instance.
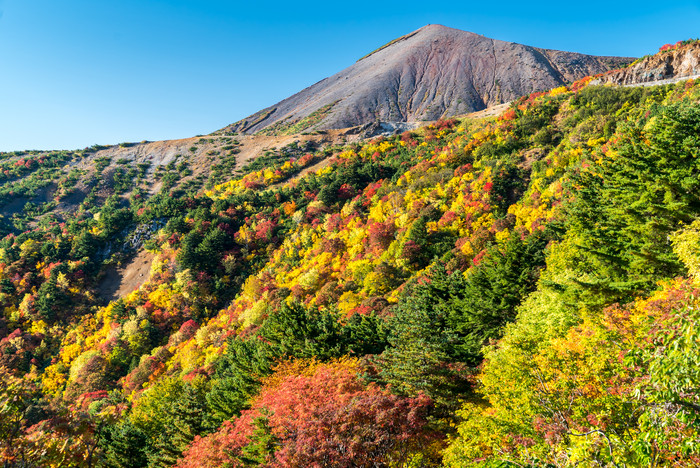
(489, 111)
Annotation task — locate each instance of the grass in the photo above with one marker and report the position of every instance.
(399, 39)
(285, 127)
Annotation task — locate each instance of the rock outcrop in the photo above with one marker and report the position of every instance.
(678, 62)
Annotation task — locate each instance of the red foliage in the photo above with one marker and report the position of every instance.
(666, 47)
(323, 416)
(17, 349)
(252, 185)
(333, 245)
(445, 124)
(479, 257)
(85, 399)
(264, 230)
(508, 115)
(188, 329)
(346, 192)
(313, 213)
(305, 160)
(411, 251)
(329, 294)
(361, 309)
(334, 222)
(371, 190)
(448, 218)
(381, 235)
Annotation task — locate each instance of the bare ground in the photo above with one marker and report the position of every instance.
(120, 281)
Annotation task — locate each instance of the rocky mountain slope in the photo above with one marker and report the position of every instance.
(673, 61)
(430, 73)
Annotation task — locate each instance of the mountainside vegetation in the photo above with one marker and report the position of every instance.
(510, 291)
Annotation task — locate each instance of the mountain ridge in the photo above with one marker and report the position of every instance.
(430, 73)
(677, 61)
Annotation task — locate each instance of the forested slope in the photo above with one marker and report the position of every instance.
(517, 291)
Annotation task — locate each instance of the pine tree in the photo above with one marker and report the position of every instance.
(421, 344)
(440, 327)
(238, 376)
(628, 203)
(123, 446)
(187, 420)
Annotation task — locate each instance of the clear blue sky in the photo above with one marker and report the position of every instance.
(78, 72)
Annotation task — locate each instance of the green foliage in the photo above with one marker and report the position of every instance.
(169, 415)
(123, 446)
(440, 327)
(50, 300)
(630, 201)
(304, 333)
(471, 261)
(263, 444)
(238, 376)
(674, 372)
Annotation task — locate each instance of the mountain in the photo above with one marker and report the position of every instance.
(430, 73)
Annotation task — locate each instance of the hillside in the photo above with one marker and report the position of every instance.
(678, 61)
(515, 288)
(434, 72)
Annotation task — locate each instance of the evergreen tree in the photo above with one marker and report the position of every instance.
(123, 446)
(629, 202)
(301, 332)
(441, 325)
(238, 376)
(187, 419)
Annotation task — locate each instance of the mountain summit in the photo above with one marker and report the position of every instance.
(430, 73)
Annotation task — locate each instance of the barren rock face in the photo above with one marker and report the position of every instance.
(431, 73)
(676, 63)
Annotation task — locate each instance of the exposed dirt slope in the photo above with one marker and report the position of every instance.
(431, 73)
(198, 153)
(120, 281)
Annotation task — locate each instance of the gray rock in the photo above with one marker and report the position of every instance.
(431, 73)
(664, 67)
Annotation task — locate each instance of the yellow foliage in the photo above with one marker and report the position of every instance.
(348, 301)
(254, 314)
(29, 247)
(558, 91)
(53, 381)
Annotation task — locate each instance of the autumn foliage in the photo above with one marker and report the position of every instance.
(519, 290)
(319, 415)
